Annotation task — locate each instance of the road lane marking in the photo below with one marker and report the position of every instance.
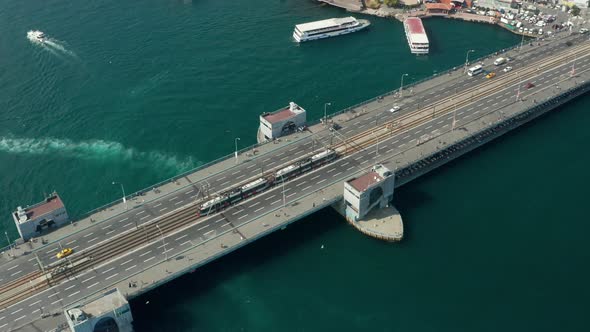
(126, 225)
(129, 268)
(182, 237)
(239, 211)
(10, 268)
(94, 284)
(241, 176)
(123, 219)
(74, 293)
(304, 189)
(15, 273)
(173, 198)
(70, 287)
(14, 312)
(111, 276)
(351, 167)
(255, 164)
(145, 253)
(52, 250)
(244, 216)
(179, 202)
(127, 261)
(157, 205)
(93, 239)
(331, 170)
(85, 280)
(68, 243)
(291, 195)
(266, 199)
(202, 227)
(32, 304)
(275, 202)
(149, 259)
(262, 208)
(142, 218)
(185, 242)
(301, 183)
(188, 192)
(21, 317)
(321, 181)
(336, 174)
(140, 212)
(54, 294)
(107, 226)
(54, 302)
(162, 209)
(109, 270)
(253, 205)
(315, 177)
(226, 182)
(107, 233)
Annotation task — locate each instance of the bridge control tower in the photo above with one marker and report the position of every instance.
(110, 312)
(282, 122)
(32, 220)
(367, 204)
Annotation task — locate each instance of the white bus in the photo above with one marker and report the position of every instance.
(475, 70)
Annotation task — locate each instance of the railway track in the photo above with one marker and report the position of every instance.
(86, 259)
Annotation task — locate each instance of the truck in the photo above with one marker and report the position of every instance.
(499, 61)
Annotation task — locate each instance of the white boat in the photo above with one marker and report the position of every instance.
(328, 28)
(36, 36)
(416, 35)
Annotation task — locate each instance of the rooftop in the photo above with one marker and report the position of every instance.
(415, 25)
(439, 6)
(324, 23)
(279, 116)
(50, 204)
(365, 181)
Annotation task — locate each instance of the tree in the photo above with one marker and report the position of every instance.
(391, 3)
(575, 10)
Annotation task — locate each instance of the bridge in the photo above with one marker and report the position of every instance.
(164, 232)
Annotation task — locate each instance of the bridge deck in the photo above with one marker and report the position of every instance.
(187, 244)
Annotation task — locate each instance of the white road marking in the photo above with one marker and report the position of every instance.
(85, 280)
(181, 237)
(94, 284)
(68, 243)
(32, 304)
(185, 242)
(107, 226)
(123, 219)
(149, 259)
(226, 182)
(157, 205)
(76, 292)
(173, 198)
(239, 211)
(190, 191)
(10, 268)
(253, 205)
(109, 270)
(203, 227)
(17, 272)
(291, 195)
(275, 202)
(262, 208)
(52, 250)
(331, 170)
(21, 317)
(304, 189)
(163, 209)
(70, 287)
(321, 181)
(336, 174)
(266, 199)
(142, 218)
(110, 232)
(244, 216)
(14, 312)
(140, 212)
(254, 165)
(129, 268)
(179, 202)
(145, 253)
(54, 294)
(127, 261)
(111, 276)
(54, 302)
(93, 239)
(221, 178)
(301, 183)
(315, 177)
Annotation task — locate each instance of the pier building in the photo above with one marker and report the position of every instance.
(282, 122)
(33, 220)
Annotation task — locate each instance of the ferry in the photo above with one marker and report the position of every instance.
(416, 35)
(328, 28)
(36, 36)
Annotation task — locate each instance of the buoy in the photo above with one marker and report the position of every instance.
(322, 246)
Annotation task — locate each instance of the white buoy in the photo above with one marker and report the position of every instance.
(322, 246)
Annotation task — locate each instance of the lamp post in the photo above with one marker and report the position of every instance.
(326, 113)
(122, 190)
(401, 87)
(236, 143)
(9, 243)
(163, 243)
(519, 84)
(283, 183)
(467, 60)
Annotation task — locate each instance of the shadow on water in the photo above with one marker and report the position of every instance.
(266, 250)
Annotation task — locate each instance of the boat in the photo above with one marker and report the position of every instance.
(36, 36)
(328, 28)
(416, 35)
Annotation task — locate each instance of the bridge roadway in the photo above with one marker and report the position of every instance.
(126, 250)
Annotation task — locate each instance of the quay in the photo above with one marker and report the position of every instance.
(129, 247)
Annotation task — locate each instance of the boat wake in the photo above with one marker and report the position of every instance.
(96, 151)
(51, 45)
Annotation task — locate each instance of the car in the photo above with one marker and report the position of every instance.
(583, 30)
(64, 252)
(491, 75)
(335, 127)
(508, 59)
(395, 109)
(507, 69)
(529, 85)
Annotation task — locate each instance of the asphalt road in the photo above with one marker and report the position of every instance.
(120, 267)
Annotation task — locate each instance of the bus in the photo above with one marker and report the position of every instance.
(475, 70)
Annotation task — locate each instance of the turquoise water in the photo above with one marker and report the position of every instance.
(138, 91)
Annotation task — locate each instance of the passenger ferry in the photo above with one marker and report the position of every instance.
(417, 39)
(328, 28)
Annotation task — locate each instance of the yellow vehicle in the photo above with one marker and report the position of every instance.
(65, 252)
(491, 75)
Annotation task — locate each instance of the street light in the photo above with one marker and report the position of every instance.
(123, 190)
(326, 113)
(401, 87)
(284, 200)
(163, 243)
(9, 243)
(467, 60)
(236, 153)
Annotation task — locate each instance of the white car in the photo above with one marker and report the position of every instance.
(395, 109)
(507, 69)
